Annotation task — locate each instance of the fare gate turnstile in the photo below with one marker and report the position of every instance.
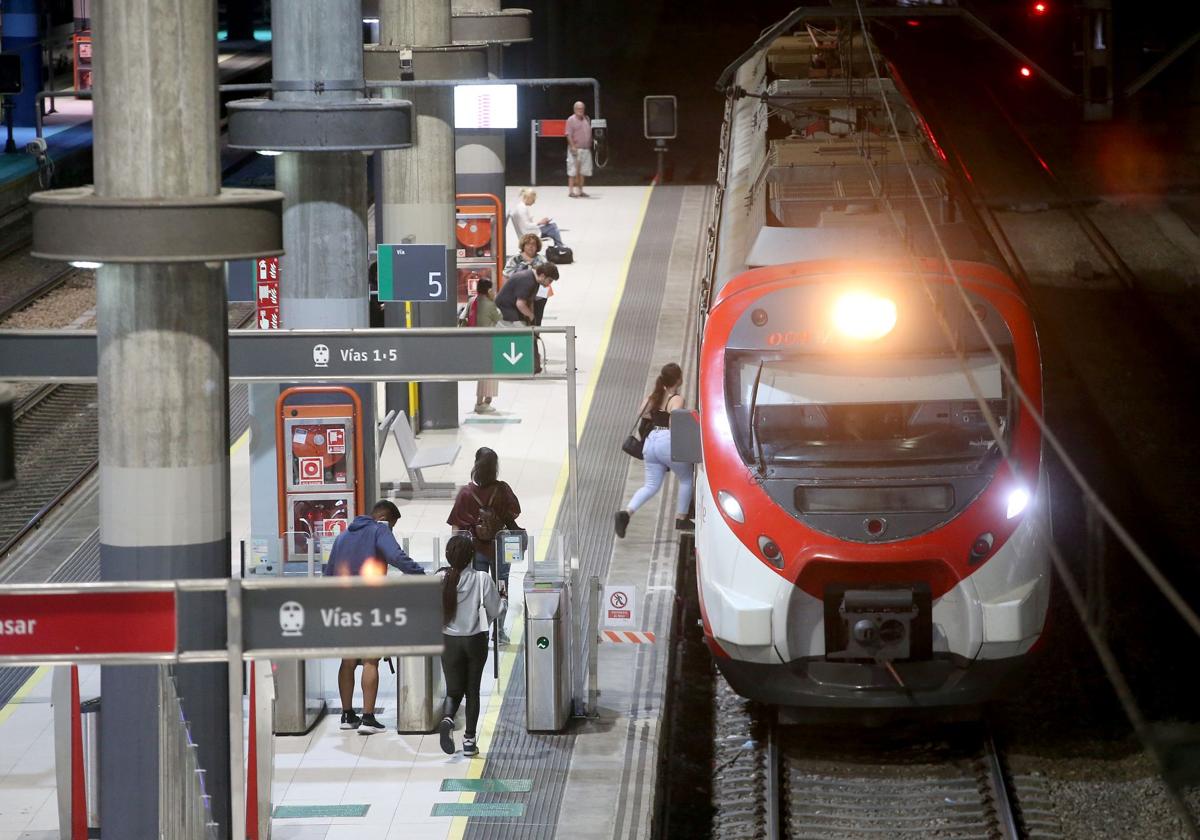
(548, 675)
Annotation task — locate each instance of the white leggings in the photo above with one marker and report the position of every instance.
(657, 454)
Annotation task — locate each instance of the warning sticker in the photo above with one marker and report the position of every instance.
(336, 441)
(620, 606)
(312, 471)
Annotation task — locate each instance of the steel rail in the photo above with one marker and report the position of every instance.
(772, 792)
(1002, 798)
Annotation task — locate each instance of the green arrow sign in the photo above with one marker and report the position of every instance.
(512, 353)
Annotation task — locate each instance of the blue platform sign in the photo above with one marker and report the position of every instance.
(415, 273)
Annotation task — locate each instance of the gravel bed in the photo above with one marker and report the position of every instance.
(1116, 796)
(60, 308)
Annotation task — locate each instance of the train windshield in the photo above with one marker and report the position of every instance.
(807, 410)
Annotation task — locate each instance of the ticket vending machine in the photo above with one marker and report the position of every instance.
(318, 432)
(479, 239)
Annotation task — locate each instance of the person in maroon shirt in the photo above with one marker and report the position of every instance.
(487, 490)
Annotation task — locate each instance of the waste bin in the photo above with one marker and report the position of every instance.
(89, 719)
(547, 656)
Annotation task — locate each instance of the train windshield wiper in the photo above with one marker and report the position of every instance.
(755, 440)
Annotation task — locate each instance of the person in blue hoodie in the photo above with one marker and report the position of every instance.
(363, 549)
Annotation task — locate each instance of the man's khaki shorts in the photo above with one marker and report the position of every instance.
(581, 165)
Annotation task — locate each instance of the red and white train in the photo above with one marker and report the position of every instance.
(863, 539)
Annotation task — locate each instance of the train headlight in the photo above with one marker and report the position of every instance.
(731, 506)
(864, 316)
(1018, 500)
(770, 551)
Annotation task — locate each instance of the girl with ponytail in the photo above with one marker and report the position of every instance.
(656, 453)
(470, 603)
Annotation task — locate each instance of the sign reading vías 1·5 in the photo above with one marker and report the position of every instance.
(414, 273)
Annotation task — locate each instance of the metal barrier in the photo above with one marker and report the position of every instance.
(299, 703)
(419, 683)
(549, 632)
(185, 810)
(89, 727)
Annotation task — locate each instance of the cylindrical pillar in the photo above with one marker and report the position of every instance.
(163, 388)
(417, 200)
(479, 152)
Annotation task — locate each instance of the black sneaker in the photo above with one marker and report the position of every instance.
(470, 747)
(350, 720)
(370, 725)
(622, 523)
(446, 733)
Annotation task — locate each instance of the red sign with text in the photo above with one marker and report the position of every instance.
(266, 292)
(83, 623)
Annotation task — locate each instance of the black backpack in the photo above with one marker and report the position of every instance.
(487, 522)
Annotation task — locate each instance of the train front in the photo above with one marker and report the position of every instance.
(865, 531)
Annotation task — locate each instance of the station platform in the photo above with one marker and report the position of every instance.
(629, 296)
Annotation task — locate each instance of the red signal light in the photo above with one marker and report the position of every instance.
(914, 23)
(1040, 8)
(1025, 72)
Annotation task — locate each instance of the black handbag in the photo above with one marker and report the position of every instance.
(636, 440)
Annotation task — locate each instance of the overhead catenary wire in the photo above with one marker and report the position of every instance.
(1107, 658)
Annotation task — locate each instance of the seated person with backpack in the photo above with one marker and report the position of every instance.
(483, 508)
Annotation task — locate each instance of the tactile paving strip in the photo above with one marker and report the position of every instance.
(515, 753)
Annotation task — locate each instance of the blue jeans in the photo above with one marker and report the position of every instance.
(657, 458)
(551, 230)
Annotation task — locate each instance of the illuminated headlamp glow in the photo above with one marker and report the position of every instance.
(269, 152)
(1018, 500)
(85, 264)
(864, 316)
(731, 506)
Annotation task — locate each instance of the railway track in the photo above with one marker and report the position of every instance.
(57, 449)
(902, 782)
(875, 786)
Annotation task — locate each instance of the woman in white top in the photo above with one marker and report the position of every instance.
(525, 221)
(470, 603)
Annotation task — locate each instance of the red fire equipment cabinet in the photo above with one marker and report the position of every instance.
(320, 464)
(479, 234)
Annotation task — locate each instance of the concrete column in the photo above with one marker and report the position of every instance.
(417, 196)
(163, 387)
(323, 273)
(479, 153)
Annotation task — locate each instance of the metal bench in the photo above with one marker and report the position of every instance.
(416, 459)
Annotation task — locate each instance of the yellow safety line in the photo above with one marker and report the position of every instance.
(22, 693)
(491, 715)
(239, 443)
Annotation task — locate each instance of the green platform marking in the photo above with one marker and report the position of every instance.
(479, 809)
(489, 785)
(492, 420)
(512, 353)
(305, 812)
